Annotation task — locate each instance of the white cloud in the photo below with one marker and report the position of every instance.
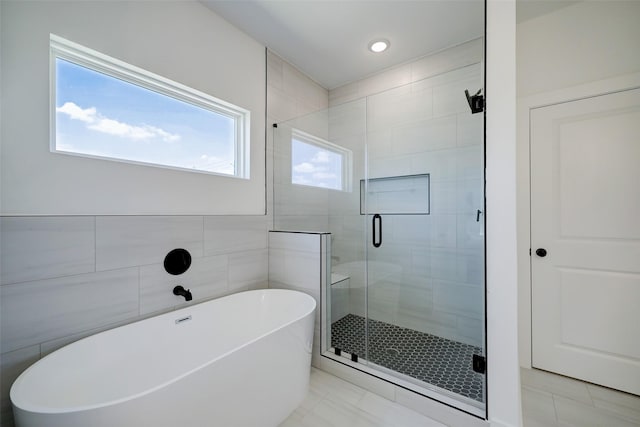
(114, 127)
(87, 115)
(321, 157)
(97, 122)
(305, 167)
(166, 136)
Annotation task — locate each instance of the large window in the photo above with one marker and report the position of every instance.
(104, 108)
(319, 163)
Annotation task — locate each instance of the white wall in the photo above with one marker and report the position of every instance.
(583, 50)
(503, 377)
(585, 42)
(182, 41)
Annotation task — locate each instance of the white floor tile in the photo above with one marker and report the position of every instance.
(538, 408)
(624, 405)
(573, 413)
(555, 384)
(550, 400)
(332, 402)
(336, 389)
(393, 414)
(329, 413)
(294, 420)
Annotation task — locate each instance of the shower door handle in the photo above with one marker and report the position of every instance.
(377, 231)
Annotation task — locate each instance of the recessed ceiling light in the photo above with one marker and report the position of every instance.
(379, 45)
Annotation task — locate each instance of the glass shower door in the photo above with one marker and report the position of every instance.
(397, 179)
(423, 202)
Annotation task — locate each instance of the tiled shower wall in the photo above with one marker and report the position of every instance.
(413, 119)
(64, 278)
(298, 261)
(294, 98)
(428, 274)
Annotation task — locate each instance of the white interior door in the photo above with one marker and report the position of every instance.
(585, 212)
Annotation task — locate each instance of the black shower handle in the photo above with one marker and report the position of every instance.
(377, 231)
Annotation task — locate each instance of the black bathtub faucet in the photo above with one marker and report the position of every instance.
(180, 291)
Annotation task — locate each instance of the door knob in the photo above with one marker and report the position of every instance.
(541, 252)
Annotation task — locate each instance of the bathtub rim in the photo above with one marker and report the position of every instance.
(113, 402)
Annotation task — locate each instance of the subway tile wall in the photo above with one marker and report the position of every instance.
(64, 278)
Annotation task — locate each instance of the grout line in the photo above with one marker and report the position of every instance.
(139, 291)
(95, 244)
(555, 408)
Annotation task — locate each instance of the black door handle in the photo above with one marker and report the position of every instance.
(377, 231)
(541, 252)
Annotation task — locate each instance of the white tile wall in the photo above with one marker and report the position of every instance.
(429, 66)
(125, 241)
(290, 93)
(34, 312)
(247, 270)
(449, 59)
(296, 262)
(39, 248)
(224, 234)
(420, 124)
(57, 288)
(295, 269)
(426, 135)
(206, 278)
(454, 298)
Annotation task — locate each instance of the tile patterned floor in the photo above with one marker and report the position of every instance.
(332, 402)
(434, 360)
(550, 400)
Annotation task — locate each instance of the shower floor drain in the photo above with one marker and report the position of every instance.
(393, 352)
(434, 360)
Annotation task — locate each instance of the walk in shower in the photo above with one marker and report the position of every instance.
(397, 178)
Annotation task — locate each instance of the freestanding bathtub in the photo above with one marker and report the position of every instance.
(242, 360)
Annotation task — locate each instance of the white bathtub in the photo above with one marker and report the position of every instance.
(242, 360)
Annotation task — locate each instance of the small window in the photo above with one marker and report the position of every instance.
(319, 163)
(105, 108)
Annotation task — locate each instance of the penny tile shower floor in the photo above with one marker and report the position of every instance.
(444, 363)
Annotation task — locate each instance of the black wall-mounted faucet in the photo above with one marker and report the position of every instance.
(180, 291)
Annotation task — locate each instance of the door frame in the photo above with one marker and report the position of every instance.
(523, 187)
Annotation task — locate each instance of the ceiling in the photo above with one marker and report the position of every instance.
(327, 39)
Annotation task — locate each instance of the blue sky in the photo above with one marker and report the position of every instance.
(315, 166)
(101, 115)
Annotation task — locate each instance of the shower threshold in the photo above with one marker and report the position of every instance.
(426, 364)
